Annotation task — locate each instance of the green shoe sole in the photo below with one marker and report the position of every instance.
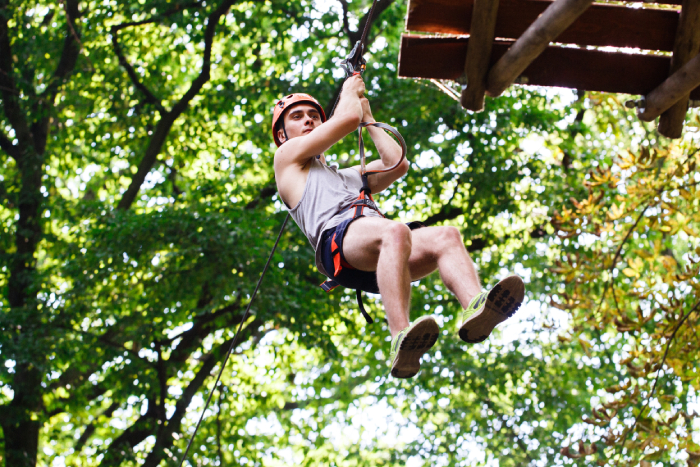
(501, 303)
(419, 339)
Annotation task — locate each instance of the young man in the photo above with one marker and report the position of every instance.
(372, 251)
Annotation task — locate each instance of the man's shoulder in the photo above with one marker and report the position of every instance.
(288, 155)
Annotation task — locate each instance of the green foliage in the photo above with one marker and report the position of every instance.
(139, 207)
(629, 267)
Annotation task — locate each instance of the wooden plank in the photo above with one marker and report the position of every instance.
(675, 88)
(687, 46)
(600, 25)
(591, 70)
(476, 66)
(546, 28)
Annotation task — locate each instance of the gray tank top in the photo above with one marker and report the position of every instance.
(328, 191)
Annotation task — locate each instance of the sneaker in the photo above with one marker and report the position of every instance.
(490, 308)
(409, 346)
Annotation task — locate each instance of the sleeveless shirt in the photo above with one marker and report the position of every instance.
(327, 192)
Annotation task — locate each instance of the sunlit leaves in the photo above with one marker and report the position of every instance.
(645, 296)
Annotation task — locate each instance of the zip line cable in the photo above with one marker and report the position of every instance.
(235, 338)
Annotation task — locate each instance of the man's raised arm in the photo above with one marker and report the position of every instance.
(347, 116)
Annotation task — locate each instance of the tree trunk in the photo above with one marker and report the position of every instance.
(21, 442)
(20, 425)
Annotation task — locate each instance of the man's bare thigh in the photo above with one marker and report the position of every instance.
(363, 241)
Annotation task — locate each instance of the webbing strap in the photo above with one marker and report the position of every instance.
(362, 203)
(368, 318)
(384, 127)
(329, 285)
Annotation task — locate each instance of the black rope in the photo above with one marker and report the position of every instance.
(235, 338)
(370, 15)
(368, 23)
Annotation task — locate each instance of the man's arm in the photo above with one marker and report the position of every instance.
(389, 154)
(347, 116)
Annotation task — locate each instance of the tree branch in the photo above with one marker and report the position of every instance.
(165, 438)
(150, 97)
(10, 95)
(7, 146)
(114, 30)
(165, 124)
(105, 339)
(198, 331)
(66, 64)
(346, 23)
(617, 255)
(90, 429)
(69, 55)
(656, 380)
(268, 191)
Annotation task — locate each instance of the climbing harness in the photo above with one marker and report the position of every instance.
(355, 64)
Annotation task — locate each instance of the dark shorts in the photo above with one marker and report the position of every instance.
(348, 276)
(332, 240)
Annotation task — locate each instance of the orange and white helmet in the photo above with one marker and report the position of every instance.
(285, 103)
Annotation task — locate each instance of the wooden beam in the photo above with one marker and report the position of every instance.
(476, 65)
(600, 25)
(678, 86)
(590, 70)
(555, 19)
(687, 46)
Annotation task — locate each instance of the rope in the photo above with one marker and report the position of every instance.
(368, 23)
(233, 343)
(359, 49)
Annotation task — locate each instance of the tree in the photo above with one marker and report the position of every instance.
(633, 295)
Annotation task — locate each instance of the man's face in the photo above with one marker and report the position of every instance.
(300, 120)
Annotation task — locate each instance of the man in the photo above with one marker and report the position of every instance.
(372, 251)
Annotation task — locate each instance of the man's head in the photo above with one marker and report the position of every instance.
(295, 115)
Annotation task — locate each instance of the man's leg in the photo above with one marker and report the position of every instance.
(400, 256)
(374, 244)
(442, 248)
(384, 246)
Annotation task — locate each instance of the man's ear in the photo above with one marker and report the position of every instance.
(280, 135)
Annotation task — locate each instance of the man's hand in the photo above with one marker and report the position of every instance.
(366, 111)
(353, 87)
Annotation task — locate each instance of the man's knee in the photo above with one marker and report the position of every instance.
(451, 235)
(397, 234)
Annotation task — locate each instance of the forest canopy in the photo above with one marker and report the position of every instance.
(138, 207)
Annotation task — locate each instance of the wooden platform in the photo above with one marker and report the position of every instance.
(573, 59)
(600, 25)
(592, 70)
